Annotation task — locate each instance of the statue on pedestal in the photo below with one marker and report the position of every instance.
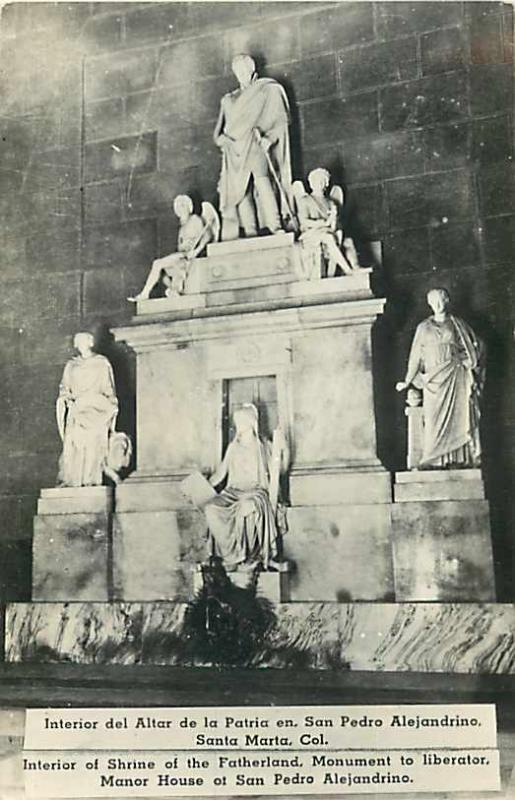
(242, 517)
(252, 133)
(86, 411)
(195, 233)
(324, 245)
(447, 363)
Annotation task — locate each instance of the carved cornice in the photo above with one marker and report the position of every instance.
(211, 324)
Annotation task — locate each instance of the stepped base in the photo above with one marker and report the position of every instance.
(346, 541)
(371, 637)
(438, 484)
(291, 292)
(75, 499)
(262, 271)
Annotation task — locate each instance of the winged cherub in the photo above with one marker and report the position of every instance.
(195, 232)
(324, 245)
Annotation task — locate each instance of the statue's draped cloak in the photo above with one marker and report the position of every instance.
(87, 387)
(239, 537)
(446, 362)
(262, 105)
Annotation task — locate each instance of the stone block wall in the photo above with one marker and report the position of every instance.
(108, 114)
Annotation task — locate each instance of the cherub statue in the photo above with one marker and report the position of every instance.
(324, 245)
(195, 232)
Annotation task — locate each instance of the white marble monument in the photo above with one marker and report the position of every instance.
(386, 572)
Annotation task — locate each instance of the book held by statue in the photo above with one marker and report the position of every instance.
(197, 489)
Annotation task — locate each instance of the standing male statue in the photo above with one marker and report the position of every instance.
(252, 133)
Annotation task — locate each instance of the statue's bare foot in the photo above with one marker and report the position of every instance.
(137, 297)
(172, 293)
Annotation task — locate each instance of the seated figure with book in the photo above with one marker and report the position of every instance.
(242, 518)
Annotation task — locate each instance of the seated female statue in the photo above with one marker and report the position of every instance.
(241, 518)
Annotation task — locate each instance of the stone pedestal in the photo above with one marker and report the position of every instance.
(312, 339)
(415, 417)
(155, 553)
(264, 272)
(441, 537)
(340, 553)
(438, 484)
(314, 354)
(71, 544)
(273, 586)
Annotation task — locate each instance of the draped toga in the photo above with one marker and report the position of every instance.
(262, 105)
(87, 388)
(241, 520)
(445, 361)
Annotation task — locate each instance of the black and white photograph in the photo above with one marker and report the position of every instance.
(257, 395)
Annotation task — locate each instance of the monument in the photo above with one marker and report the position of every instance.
(255, 397)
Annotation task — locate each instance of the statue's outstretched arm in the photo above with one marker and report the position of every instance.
(414, 362)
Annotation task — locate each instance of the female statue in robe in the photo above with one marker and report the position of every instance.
(446, 363)
(241, 519)
(86, 412)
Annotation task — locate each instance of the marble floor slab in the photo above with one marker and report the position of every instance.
(450, 638)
